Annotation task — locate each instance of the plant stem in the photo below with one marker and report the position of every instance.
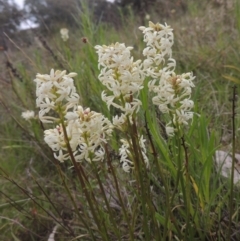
(233, 162)
(119, 193)
(89, 196)
(105, 200)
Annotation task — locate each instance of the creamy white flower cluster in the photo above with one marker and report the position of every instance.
(55, 92)
(126, 156)
(64, 34)
(173, 92)
(28, 115)
(86, 130)
(123, 78)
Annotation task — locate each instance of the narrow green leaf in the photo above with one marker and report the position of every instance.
(232, 67)
(231, 78)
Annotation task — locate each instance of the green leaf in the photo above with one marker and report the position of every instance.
(160, 218)
(231, 78)
(232, 67)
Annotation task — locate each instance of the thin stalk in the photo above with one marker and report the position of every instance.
(138, 171)
(182, 182)
(187, 178)
(50, 201)
(81, 174)
(146, 187)
(179, 178)
(167, 199)
(74, 204)
(179, 163)
(233, 162)
(105, 200)
(180, 174)
(119, 194)
(33, 199)
(15, 221)
(138, 163)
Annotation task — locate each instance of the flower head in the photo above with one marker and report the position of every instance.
(87, 132)
(28, 115)
(64, 34)
(172, 91)
(159, 40)
(122, 76)
(55, 92)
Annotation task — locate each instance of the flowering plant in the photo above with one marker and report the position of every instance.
(81, 134)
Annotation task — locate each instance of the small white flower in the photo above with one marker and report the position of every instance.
(158, 37)
(126, 157)
(147, 16)
(119, 121)
(126, 165)
(169, 130)
(186, 104)
(124, 153)
(64, 34)
(61, 156)
(144, 151)
(182, 117)
(55, 138)
(28, 115)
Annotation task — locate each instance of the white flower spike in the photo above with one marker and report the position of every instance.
(172, 91)
(55, 92)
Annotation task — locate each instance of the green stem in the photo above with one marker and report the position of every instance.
(81, 174)
(233, 162)
(146, 187)
(105, 200)
(138, 170)
(75, 205)
(155, 156)
(187, 178)
(119, 193)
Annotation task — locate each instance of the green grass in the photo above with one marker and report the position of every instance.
(38, 192)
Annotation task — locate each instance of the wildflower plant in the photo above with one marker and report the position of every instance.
(135, 182)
